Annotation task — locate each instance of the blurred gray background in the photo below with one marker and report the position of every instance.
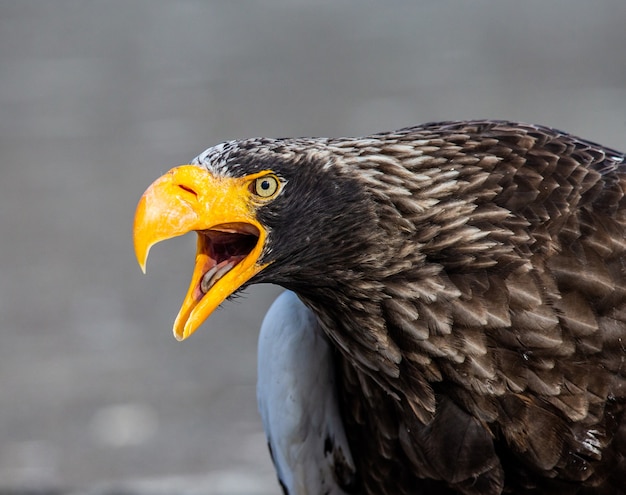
(98, 98)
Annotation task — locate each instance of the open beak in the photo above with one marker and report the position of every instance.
(230, 239)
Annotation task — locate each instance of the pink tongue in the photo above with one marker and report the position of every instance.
(208, 266)
(218, 271)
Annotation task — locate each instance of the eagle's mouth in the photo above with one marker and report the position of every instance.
(224, 246)
(227, 257)
(230, 238)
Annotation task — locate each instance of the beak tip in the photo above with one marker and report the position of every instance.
(141, 254)
(182, 329)
(178, 330)
(142, 264)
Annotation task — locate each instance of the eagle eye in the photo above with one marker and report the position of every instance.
(266, 186)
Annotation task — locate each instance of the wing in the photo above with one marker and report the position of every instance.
(524, 342)
(298, 403)
(508, 305)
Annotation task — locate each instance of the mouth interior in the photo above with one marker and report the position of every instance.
(225, 247)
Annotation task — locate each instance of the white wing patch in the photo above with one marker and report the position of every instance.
(297, 399)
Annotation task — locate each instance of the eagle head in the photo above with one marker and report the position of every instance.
(281, 211)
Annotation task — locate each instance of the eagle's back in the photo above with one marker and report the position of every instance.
(509, 315)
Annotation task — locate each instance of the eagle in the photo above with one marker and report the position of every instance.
(455, 313)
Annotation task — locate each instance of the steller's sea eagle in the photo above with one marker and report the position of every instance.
(456, 314)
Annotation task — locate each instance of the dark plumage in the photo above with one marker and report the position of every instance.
(472, 278)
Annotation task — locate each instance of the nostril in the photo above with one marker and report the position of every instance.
(188, 189)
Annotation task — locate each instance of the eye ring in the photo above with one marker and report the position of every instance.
(266, 186)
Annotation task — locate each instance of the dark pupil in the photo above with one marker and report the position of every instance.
(265, 185)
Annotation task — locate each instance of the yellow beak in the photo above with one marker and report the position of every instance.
(230, 239)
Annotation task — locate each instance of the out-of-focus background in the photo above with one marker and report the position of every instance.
(98, 98)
